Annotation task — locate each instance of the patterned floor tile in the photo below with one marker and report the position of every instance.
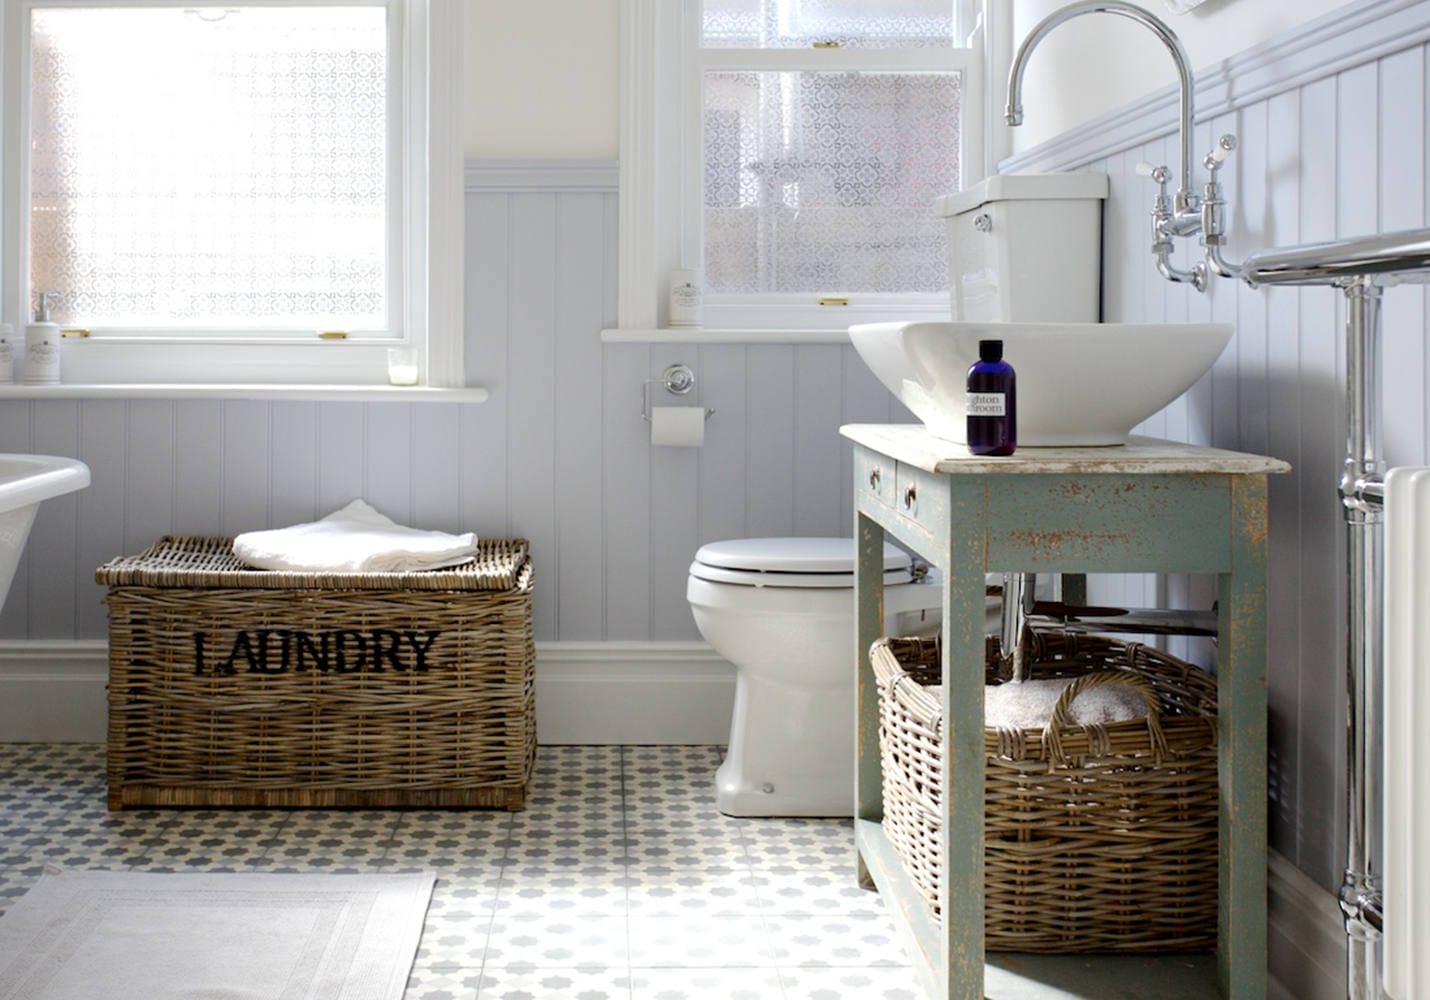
(14, 883)
(839, 984)
(690, 891)
(652, 846)
(619, 880)
(791, 891)
(803, 843)
(455, 941)
(585, 838)
(213, 840)
(569, 767)
(563, 890)
(86, 835)
(803, 942)
(568, 940)
(467, 843)
(332, 841)
(442, 984)
(706, 984)
(71, 766)
(536, 983)
(700, 942)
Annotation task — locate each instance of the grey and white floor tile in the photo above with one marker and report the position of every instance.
(618, 881)
(332, 840)
(841, 984)
(707, 984)
(700, 941)
(213, 840)
(537, 983)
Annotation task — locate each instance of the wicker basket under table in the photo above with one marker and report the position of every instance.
(237, 687)
(1096, 838)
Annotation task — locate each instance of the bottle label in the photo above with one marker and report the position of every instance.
(987, 404)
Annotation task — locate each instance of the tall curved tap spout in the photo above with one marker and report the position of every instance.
(1185, 201)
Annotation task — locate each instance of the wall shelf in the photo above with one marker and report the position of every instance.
(699, 335)
(182, 390)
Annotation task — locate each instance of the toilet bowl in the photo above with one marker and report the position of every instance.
(782, 611)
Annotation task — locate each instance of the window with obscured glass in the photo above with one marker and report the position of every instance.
(213, 170)
(828, 129)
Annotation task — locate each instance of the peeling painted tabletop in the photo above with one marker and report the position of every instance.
(912, 444)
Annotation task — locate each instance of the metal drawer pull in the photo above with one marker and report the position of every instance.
(874, 479)
(910, 495)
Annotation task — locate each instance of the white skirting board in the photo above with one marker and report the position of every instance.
(586, 692)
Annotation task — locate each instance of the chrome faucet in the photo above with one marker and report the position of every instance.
(1185, 214)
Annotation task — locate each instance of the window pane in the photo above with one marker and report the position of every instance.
(210, 168)
(824, 182)
(783, 24)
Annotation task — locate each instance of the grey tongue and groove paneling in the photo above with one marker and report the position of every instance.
(558, 454)
(1338, 153)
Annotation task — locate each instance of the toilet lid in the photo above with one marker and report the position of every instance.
(791, 562)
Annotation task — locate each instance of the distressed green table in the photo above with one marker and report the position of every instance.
(1148, 507)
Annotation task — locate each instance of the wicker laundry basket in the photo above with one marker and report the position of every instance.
(230, 686)
(1097, 838)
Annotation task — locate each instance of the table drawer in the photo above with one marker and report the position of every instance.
(874, 477)
(916, 495)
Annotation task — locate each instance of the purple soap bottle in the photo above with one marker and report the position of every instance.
(992, 402)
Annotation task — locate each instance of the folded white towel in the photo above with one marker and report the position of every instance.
(1029, 705)
(356, 539)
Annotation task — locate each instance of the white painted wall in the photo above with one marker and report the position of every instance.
(541, 79)
(1098, 62)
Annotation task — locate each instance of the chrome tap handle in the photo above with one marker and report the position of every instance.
(1159, 175)
(1219, 153)
(1214, 211)
(1161, 208)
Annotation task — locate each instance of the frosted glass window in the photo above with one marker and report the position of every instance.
(825, 182)
(776, 24)
(222, 168)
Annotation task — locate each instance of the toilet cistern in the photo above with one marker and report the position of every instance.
(1186, 213)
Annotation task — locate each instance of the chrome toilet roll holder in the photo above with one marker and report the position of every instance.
(678, 380)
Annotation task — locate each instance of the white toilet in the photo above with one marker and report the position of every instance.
(782, 611)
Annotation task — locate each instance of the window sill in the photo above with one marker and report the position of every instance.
(699, 335)
(190, 390)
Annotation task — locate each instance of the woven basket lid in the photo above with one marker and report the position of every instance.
(195, 562)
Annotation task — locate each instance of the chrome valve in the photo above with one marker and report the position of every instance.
(1214, 211)
(1164, 227)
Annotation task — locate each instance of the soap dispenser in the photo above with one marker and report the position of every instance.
(42, 345)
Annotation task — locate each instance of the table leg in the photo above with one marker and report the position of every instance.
(961, 899)
(1241, 747)
(868, 627)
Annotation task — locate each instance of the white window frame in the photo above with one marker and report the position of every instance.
(425, 245)
(662, 169)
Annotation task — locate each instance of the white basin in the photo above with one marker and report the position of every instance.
(25, 480)
(1078, 384)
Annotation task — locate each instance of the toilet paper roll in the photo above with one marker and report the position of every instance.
(680, 426)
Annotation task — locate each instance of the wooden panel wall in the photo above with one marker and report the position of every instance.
(1340, 156)
(559, 454)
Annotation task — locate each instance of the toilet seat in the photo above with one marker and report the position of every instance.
(792, 562)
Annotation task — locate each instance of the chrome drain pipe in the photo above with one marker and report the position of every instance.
(1361, 493)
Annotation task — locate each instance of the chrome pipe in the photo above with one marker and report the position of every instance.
(1360, 893)
(1187, 217)
(1018, 601)
(1404, 256)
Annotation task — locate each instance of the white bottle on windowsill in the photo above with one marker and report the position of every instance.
(684, 298)
(7, 353)
(42, 346)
